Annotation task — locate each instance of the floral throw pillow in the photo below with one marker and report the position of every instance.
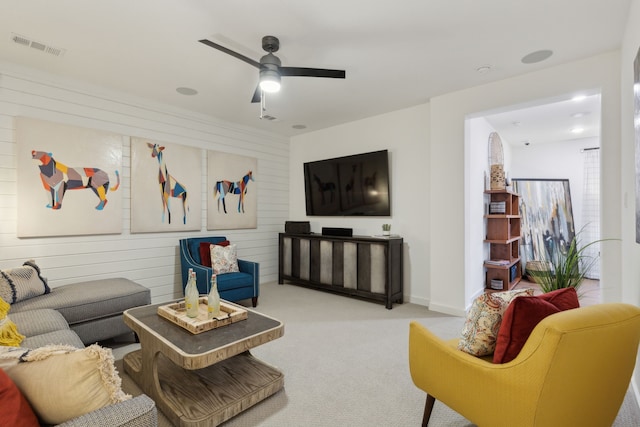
(483, 321)
(224, 259)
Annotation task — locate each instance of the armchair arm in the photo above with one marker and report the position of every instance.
(252, 268)
(139, 411)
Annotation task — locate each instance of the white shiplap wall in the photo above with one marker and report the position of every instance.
(151, 259)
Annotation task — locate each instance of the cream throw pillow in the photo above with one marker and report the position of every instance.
(62, 382)
(483, 321)
(224, 259)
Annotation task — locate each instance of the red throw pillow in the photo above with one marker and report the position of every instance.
(522, 316)
(16, 411)
(205, 251)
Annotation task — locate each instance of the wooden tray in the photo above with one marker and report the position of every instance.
(177, 313)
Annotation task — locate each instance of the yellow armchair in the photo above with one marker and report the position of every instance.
(574, 370)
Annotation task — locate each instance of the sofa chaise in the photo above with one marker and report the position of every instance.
(93, 309)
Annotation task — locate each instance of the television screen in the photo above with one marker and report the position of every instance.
(351, 185)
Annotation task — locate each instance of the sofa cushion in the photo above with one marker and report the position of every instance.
(43, 327)
(522, 316)
(233, 281)
(21, 283)
(86, 301)
(37, 322)
(205, 251)
(16, 411)
(224, 259)
(483, 321)
(60, 337)
(62, 382)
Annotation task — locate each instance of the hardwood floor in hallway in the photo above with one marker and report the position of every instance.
(588, 292)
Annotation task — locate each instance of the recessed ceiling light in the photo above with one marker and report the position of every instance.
(186, 91)
(577, 130)
(484, 69)
(299, 126)
(580, 114)
(579, 98)
(537, 56)
(516, 124)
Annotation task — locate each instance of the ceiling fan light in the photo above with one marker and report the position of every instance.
(269, 81)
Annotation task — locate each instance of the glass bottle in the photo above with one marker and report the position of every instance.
(213, 299)
(187, 287)
(191, 296)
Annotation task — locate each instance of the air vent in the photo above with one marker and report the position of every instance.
(42, 47)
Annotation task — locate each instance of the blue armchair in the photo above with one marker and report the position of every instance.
(231, 286)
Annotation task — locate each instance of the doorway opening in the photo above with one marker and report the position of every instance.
(552, 139)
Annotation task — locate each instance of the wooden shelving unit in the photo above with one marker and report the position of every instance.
(503, 269)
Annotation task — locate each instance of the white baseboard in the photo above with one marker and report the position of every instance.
(419, 301)
(447, 310)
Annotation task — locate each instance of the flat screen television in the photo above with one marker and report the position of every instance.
(348, 186)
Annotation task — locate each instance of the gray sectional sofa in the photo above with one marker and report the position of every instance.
(80, 314)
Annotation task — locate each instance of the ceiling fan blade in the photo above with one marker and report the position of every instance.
(257, 95)
(312, 72)
(230, 52)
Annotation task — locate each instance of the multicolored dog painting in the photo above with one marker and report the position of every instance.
(169, 186)
(57, 178)
(222, 188)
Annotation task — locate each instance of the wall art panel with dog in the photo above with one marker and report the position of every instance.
(232, 196)
(54, 160)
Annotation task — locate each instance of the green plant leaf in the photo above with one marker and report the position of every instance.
(566, 270)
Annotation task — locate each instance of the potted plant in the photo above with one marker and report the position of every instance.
(565, 269)
(386, 229)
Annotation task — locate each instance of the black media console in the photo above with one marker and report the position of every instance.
(362, 266)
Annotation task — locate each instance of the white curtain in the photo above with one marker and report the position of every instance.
(591, 209)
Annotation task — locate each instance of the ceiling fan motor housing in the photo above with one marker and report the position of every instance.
(270, 44)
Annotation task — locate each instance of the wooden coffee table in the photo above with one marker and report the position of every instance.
(202, 379)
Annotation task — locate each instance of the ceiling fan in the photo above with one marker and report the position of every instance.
(270, 67)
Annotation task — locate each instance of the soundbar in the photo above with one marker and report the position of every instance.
(336, 231)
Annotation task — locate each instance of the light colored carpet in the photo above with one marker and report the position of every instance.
(346, 364)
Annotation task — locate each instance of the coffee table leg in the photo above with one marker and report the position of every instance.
(142, 366)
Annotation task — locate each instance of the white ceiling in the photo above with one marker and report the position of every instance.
(396, 54)
(549, 121)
